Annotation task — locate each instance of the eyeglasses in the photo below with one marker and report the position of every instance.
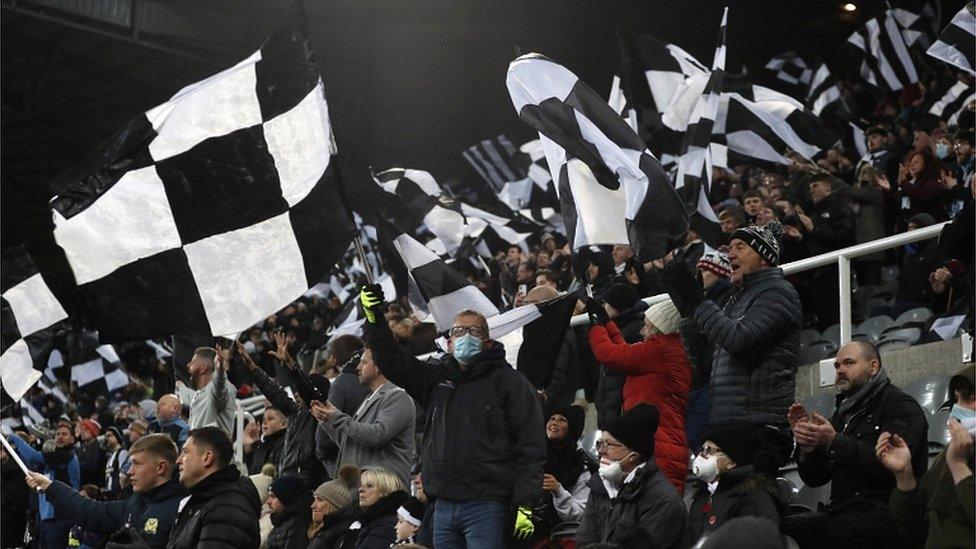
(476, 331)
(706, 451)
(604, 445)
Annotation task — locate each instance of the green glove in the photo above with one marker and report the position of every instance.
(371, 298)
(523, 523)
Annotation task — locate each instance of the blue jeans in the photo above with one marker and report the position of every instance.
(475, 524)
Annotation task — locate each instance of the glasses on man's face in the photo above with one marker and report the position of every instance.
(710, 451)
(476, 331)
(606, 445)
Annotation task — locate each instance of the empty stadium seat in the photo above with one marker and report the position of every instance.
(823, 402)
(787, 490)
(809, 335)
(832, 333)
(931, 392)
(588, 443)
(808, 498)
(918, 314)
(817, 351)
(887, 345)
(911, 335)
(874, 326)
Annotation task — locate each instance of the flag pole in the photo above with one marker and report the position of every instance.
(357, 238)
(358, 241)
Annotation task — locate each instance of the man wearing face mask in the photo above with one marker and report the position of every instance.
(631, 503)
(842, 451)
(484, 445)
(937, 511)
(728, 486)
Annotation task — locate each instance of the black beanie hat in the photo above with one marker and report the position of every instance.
(575, 417)
(736, 440)
(288, 488)
(636, 428)
(621, 296)
(762, 238)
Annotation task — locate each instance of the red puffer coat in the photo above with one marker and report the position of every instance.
(658, 373)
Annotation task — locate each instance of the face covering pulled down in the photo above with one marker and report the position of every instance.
(466, 348)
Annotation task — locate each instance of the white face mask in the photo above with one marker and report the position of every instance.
(705, 468)
(611, 470)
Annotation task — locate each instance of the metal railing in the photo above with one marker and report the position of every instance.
(843, 259)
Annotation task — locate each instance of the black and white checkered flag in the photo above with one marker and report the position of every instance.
(496, 161)
(611, 188)
(695, 164)
(791, 70)
(100, 372)
(953, 102)
(883, 51)
(955, 44)
(214, 209)
(31, 316)
(420, 200)
(823, 93)
(536, 189)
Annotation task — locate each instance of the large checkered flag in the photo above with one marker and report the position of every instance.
(31, 316)
(883, 51)
(611, 188)
(100, 371)
(823, 94)
(955, 44)
(214, 209)
(791, 71)
(953, 102)
(420, 200)
(695, 164)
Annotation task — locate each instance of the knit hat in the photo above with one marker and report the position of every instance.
(636, 428)
(575, 417)
(735, 439)
(412, 511)
(288, 488)
(762, 238)
(664, 316)
(339, 490)
(115, 432)
(139, 425)
(64, 420)
(148, 408)
(621, 296)
(92, 427)
(716, 263)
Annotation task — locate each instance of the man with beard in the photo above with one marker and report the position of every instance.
(213, 400)
(56, 461)
(842, 450)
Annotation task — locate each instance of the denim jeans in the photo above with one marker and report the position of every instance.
(475, 524)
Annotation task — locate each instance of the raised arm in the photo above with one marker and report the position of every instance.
(612, 351)
(32, 458)
(216, 390)
(106, 517)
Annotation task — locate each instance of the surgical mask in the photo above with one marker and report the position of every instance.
(611, 471)
(942, 150)
(965, 416)
(466, 348)
(705, 468)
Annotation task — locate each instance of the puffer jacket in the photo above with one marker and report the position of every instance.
(334, 529)
(658, 373)
(375, 526)
(610, 388)
(485, 439)
(757, 343)
(740, 493)
(222, 511)
(291, 525)
(700, 350)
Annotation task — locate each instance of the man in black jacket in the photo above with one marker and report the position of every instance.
(484, 446)
(756, 337)
(223, 507)
(842, 450)
(150, 510)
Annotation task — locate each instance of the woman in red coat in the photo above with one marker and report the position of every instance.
(659, 373)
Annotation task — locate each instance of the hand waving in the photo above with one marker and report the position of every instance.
(281, 353)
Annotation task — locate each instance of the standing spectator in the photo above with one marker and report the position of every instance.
(345, 393)
(380, 495)
(333, 510)
(657, 372)
(484, 445)
(752, 203)
(13, 502)
(730, 219)
(214, 400)
(168, 419)
(918, 261)
(117, 462)
(937, 511)
(958, 182)
(381, 432)
(223, 507)
(565, 377)
(271, 446)
(624, 306)
(56, 461)
(91, 456)
(920, 188)
(631, 503)
(289, 500)
(867, 201)
(715, 269)
(756, 337)
(150, 510)
(842, 451)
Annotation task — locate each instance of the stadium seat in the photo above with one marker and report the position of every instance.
(787, 490)
(832, 333)
(889, 272)
(887, 345)
(911, 335)
(817, 351)
(823, 402)
(938, 431)
(809, 498)
(918, 314)
(931, 392)
(881, 303)
(588, 443)
(861, 298)
(874, 326)
(808, 335)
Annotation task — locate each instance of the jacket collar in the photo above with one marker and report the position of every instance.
(486, 361)
(761, 276)
(207, 488)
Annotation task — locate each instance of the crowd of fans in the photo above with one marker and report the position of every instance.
(360, 444)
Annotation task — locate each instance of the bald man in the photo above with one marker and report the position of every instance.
(168, 419)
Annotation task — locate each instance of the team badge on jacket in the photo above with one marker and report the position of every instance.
(152, 524)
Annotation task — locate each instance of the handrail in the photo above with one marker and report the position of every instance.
(843, 258)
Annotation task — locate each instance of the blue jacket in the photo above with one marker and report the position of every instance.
(36, 462)
(176, 428)
(152, 514)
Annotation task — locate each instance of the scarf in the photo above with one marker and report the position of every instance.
(875, 384)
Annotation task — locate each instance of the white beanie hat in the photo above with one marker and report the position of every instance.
(664, 316)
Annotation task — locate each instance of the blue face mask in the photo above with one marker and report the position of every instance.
(965, 416)
(942, 151)
(466, 348)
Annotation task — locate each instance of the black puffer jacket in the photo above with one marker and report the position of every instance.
(757, 342)
(291, 525)
(268, 450)
(222, 512)
(610, 388)
(335, 528)
(485, 438)
(377, 524)
(740, 493)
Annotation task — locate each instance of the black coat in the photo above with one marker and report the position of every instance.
(91, 459)
(268, 450)
(610, 389)
(833, 225)
(850, 461)
(757, 342)
(700, 350)
(222, 512)
(377, 524)
(740, 493)
(291, 525)
(485, 438)
(333, 533)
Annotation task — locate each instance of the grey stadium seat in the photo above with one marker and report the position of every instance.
(918, 314)
(588, 443)
(887, 345)
(823, 402)
(832, 333)
(809, 335)
(874, 326)
(817, 351)
(911, 335)
(938, 431)
(931, 392)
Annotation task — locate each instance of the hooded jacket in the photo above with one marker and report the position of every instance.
(291, 525)
(151, 514)
(484, 438)
(221, 512)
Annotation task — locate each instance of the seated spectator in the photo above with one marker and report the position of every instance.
(380, 495)
(657, 372)
(168, 419)
(621, 253)
(632, 504)
(410, 517)
(117, 462)
(742, 532)
(937, 511)
(624, 306)
(262, 482)
(333, 510)
(920, 189)
(289, 500)
(841, 451)
(150, 510)
(425, 535)
(728, 485)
